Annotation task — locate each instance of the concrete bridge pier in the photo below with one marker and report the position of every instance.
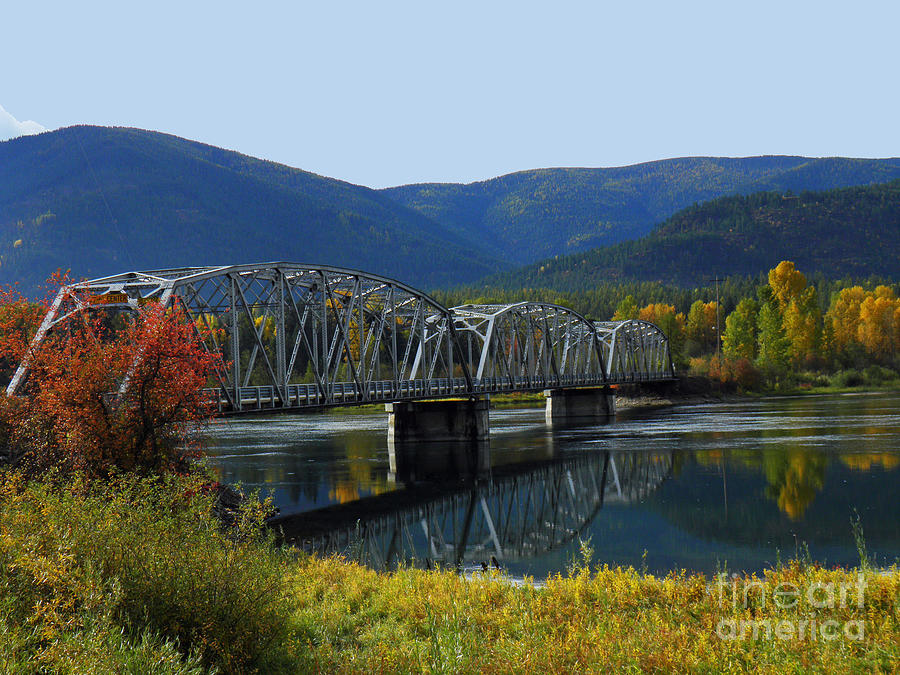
(438, 421)
(579, 405)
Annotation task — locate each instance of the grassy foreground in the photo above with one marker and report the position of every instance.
(138, 577)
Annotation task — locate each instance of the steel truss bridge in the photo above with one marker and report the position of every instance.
(521, 512)
(305, 337)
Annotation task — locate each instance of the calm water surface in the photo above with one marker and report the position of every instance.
(695, 487)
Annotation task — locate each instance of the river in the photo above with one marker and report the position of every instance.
(696, 487)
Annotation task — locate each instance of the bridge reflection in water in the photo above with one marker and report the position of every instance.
(505, 514)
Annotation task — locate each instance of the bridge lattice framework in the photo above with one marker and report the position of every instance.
(298, 336)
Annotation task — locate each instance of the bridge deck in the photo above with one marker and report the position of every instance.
(309, 397)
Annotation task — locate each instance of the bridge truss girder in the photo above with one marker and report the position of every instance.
(634, 350)
(304, 336)
(529, 345)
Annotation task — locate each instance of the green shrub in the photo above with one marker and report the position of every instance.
(148, 558)
(813, 379)
(879, 375)
(848, 378)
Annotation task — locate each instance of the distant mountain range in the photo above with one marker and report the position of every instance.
(843, 233)
(530, 215)
(102, 200)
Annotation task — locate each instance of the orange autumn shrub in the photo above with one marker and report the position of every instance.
(104, 392)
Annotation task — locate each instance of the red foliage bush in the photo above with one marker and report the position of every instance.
(737, 371)
(105, 392)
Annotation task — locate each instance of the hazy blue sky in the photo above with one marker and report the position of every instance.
(384, 93)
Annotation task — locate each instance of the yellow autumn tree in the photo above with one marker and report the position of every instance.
(659, 313)
(268, 327)
(209, 326)
(803, 327)
(879, 323)
(701, 325)
(801, 316)
(787, 282)
(866, 320)
(842, 317)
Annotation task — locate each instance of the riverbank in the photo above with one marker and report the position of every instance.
(688, 390)
(636, 400)
(594, 620)
(700, 390)
(140, 577)
(695, 390)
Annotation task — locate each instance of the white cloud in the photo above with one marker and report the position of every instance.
(10, 127)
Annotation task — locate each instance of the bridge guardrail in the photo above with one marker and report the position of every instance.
(310, 396)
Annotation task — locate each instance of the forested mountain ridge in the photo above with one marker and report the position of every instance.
(530, 215)
(103, 200)
(847, 232)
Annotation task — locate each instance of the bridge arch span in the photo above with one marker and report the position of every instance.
(635, 350)
(529, 345)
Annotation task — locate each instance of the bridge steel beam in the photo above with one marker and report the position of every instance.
(635, 351)
(295, 336)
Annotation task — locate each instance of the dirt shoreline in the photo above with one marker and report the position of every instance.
(624, 402)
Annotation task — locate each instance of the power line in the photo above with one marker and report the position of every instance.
(109, 212)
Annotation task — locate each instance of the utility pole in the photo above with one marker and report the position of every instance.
(718, 331)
